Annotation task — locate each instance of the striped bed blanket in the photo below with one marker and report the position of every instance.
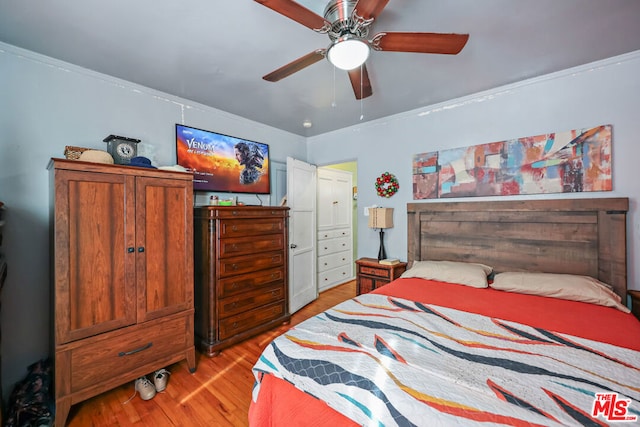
(387, 361)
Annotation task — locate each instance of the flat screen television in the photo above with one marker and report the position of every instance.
(223, 163)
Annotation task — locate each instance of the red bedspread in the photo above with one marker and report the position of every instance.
(280, 403)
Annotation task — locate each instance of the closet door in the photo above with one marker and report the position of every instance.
(342, 194)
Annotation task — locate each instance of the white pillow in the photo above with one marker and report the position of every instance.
(564, 286)
(463, 273)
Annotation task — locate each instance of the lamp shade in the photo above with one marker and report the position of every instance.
(380, 218)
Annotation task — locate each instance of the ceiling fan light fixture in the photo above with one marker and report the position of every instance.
(348, 52)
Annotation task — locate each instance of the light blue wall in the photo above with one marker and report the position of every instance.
(45, 105)
(607, 92)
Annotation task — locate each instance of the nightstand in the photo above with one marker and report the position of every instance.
(370, 274)
(635, 303)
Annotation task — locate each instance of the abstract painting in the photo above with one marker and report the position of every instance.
(562, 162)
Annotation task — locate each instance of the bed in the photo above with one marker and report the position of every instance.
(439, 346)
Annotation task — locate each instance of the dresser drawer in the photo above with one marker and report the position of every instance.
(253, 227)
(112, 356)
(250, 300)
(247, 282)
(243, 322)
(248, 263)
(328, 262)
(250, 245)
(334, 245)
(248, 212)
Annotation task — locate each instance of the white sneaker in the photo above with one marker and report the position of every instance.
(160, 379)
(145, 388)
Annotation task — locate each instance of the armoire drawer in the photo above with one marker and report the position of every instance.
(328, 262)
(250, 300)
(105, 358)
(250, 319)
(247, 282)
(248, 263)
(253, 227)
(250, 245)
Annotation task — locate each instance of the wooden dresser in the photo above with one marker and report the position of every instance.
(123, 276)
(241, 265)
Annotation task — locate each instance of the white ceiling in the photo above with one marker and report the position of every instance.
(216, 52)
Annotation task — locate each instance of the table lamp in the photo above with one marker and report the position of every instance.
(381, 218)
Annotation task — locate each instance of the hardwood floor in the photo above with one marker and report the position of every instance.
(217, 394)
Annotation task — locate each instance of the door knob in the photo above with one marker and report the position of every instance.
(293, 246)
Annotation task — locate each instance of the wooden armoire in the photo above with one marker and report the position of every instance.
(241, 273)
(122, 291)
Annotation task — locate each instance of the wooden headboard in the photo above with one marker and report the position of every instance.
(572, 236)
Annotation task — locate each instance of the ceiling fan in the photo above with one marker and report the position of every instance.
(347, 22)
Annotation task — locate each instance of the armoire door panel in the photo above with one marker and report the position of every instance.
(163, 237)
(92, 296)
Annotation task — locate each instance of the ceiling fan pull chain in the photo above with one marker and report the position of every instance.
(361, 108)
(333, 103)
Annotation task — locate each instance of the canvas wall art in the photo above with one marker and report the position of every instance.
(562, 162)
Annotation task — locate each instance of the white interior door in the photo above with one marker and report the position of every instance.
(301, 199)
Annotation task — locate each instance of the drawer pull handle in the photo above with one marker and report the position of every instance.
(131, 250)
(137, 350)
(234, 305)
(234, 213)
(234, 228)
(141, 249)
(234, 285)
(234, 266)
(275, 293)
(235, 325)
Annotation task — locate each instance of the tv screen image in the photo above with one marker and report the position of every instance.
(221, 162)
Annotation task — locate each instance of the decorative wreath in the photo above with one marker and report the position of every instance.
(387, 185)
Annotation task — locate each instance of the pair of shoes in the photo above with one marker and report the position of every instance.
(145, 388)
(160, 379)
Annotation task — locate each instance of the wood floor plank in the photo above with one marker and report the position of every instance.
(217, 394)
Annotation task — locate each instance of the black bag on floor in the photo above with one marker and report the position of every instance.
(31, 401)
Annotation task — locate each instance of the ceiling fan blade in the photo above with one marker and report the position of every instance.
(295, 66)
(370, 8)
(295, 11)
(450, 44)
(360, 81)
